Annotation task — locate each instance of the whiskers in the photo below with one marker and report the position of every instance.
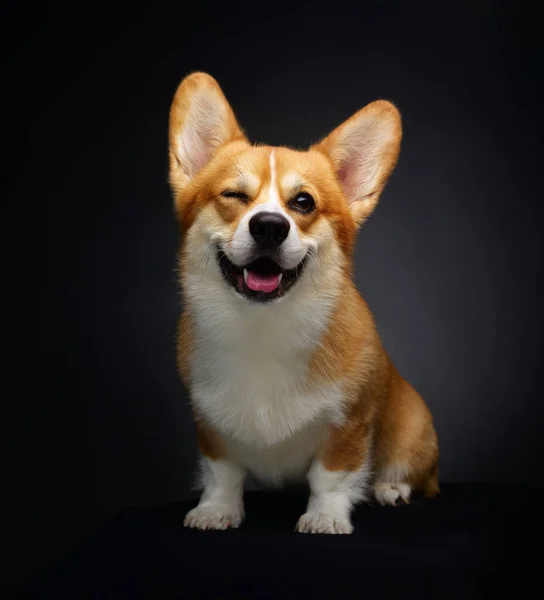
(206, 255)
(234, 244)
(311, 256)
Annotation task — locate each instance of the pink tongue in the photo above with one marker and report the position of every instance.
(262, 283)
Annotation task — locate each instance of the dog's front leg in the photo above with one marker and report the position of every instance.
(338, 478)
(221, 504)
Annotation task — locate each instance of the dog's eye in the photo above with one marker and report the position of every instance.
(234, 194)
(303, 202)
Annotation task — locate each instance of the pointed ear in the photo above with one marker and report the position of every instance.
(201, 121)
(364, 151)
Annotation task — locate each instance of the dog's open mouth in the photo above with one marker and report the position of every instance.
(261, 280)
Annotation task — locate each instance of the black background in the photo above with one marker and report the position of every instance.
(450, 262)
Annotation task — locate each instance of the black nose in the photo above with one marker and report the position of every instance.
(269, 229)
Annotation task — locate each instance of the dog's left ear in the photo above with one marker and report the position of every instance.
(364, 151)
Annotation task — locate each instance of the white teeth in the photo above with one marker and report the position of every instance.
(280, 276)
(245, 275)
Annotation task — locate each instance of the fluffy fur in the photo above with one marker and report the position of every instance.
(299, 386)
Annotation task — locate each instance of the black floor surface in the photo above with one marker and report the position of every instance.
(474, 541)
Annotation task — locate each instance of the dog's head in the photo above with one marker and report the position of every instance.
(259, 220)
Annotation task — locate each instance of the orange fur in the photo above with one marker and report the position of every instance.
(210, 442)
(382, 403)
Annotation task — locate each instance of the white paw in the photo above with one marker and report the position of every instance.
(392, 493)
(318, 523)
(214, 516)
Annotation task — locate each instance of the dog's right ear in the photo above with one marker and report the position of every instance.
(201, 121)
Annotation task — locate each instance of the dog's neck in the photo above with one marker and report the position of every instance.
(289, 326)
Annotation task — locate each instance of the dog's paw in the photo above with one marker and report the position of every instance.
(213, 516)
(392, 493)
(319, 523)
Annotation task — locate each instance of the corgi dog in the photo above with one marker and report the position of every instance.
(285, 370)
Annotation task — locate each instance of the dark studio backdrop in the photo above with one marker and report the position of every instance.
(450, 262)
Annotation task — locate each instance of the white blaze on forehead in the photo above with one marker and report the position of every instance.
(272, 202)
(273, 194)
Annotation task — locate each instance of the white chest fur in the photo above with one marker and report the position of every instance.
(249, 373)
(259, 399)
